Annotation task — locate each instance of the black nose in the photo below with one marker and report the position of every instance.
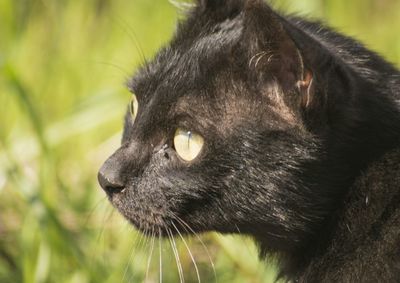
(109, 179)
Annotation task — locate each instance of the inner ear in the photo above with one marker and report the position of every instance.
(306, 88)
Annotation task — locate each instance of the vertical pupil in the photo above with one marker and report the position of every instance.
(189, 135)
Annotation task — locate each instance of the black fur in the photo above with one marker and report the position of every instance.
(291, 113)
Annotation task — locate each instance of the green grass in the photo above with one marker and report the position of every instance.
(63, 65)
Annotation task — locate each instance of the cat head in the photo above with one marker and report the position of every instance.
(215, 137)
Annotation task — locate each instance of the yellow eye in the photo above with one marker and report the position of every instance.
(188, 144)
(133, 107)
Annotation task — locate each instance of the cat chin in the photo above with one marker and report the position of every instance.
(161, 228)
(168, 224)
(151, 221)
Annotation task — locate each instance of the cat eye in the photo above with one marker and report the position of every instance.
(133, 107)
(187, 144)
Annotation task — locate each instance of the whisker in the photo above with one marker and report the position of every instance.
(160, 253)
(132, 34)
(93, 209)
(142, 245)
(181, 221)
(177, 259)
(119, 68)
(190, 253)
(100, 237)
(135, 244)
(151, 253)
(106, 217)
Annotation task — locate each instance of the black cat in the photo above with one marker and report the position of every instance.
(256, 122)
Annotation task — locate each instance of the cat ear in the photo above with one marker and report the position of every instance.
(322, 67)
(271, 51)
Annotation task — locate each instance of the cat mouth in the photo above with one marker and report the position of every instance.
(163, 228)
(150, 210)
(151, 219)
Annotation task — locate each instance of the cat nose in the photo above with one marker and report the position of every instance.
(109, 178)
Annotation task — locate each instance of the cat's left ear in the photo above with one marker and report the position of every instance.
(271, 51)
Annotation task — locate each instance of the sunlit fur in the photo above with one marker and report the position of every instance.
(291, 114)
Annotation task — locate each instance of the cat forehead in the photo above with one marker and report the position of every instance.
(194, 54)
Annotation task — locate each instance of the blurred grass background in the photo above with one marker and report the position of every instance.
(63, 64)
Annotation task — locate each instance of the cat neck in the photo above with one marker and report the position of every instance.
(368, 221)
